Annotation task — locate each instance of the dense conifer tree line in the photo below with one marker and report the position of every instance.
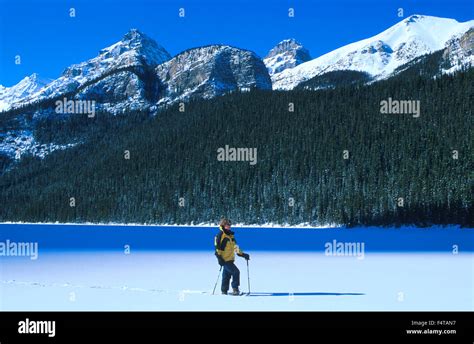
(334, 159)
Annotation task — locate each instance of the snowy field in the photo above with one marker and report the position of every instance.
(279, 281)
(88, 267)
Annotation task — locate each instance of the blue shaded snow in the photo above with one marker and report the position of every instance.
(169, 238)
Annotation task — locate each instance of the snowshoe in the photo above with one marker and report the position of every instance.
(236, 292)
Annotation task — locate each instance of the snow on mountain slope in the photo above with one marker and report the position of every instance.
(16, 143)
(135, 49)
(382, 53)
(29, 85)
(287, 54)
(108, 79)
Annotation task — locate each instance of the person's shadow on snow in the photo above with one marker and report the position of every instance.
(304, 294)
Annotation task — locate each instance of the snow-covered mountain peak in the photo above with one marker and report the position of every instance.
(33, 78)
(287, 54)
(134, 50)
(416, 18)
(286, 44)
(26, 87)
(434, 31)
(136, 43)
(135, 35)
(381, 54)
(31, 82)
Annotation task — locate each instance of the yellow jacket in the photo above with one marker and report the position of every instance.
(226, 246)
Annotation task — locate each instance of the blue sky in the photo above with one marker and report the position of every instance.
(48, 39)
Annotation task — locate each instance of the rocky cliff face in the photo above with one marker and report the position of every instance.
(211, 71)
(135, 73)
(459, 52)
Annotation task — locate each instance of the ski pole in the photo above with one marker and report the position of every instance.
(248, 275)
(217, 280)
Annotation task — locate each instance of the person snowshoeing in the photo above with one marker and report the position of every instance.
(226, 248)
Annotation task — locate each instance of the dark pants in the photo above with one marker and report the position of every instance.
(230, 270)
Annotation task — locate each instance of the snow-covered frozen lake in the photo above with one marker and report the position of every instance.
(170, 268)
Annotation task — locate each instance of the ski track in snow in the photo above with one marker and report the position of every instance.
(177, 281)
(80, 286)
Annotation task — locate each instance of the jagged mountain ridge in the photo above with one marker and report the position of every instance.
(25, 88)
(137, 56)
(289, 53)
(381, 54)
(136, 73)
(133, 74)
